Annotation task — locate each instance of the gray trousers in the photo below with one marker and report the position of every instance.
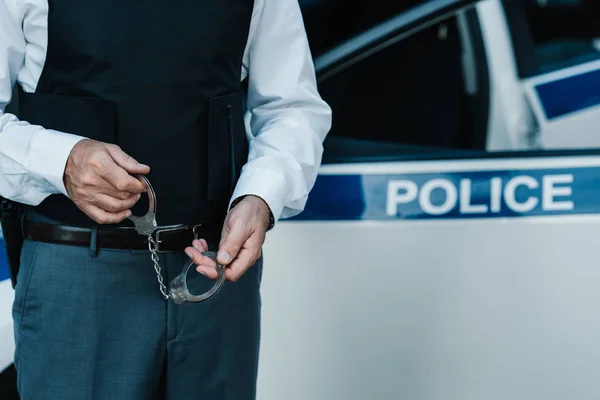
(96, 327)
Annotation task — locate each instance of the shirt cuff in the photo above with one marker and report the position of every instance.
(49, 153)
(267, 184)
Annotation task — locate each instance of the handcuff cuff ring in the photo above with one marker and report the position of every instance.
(178, 289)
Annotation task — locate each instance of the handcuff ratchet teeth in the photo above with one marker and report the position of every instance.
(178, 288)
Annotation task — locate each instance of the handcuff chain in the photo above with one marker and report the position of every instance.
(159, 277)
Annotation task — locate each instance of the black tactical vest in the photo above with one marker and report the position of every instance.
(162, 80)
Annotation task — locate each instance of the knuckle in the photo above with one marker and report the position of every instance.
(78, 191)
(125, 196)
(82, 205)
(88, 178)
(108, 147)
(88, 199)
(94, 162)
(236, 218)
(246, 225)
(83, 197)
(112, 207)
(122, 185)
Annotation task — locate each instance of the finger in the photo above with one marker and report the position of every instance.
(109, 190)
(92, 184)
(245, 259)
(232, 241)
(119, 179)
(200, 245)
(205, 265)
(103, 217)
(113, 205)
(127, 162)
(208, 270)
(198, 258)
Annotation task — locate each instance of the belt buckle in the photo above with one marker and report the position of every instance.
(158, 232)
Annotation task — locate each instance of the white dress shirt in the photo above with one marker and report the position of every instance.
(288, 120)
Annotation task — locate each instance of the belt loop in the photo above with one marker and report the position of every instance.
(94, 242)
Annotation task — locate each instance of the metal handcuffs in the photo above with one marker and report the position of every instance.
(178, 289)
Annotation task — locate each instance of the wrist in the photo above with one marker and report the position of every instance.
(267, 214)
(52, 164)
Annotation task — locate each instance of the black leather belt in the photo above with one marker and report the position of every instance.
(167, 239)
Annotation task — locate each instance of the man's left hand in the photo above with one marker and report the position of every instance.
(242, 238)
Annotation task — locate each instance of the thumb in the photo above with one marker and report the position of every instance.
(127, 162)
(232, 241)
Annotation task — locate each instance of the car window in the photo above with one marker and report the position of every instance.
(331, 22)
(553, 34)
(412, 92)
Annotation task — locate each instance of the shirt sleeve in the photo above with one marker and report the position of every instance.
(32, 159)
(288, 119)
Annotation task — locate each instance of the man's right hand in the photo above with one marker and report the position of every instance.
(98, 178)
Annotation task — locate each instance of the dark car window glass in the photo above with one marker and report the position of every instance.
(409, 93)
(562, 33)
(331, 22)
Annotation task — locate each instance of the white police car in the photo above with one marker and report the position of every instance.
(7, 346)
(448, 249)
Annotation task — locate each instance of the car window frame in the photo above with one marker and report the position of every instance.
(379, 38)
(386, 34)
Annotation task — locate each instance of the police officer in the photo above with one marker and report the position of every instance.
(111, 89)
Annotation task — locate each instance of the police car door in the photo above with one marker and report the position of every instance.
(430, 270)
(556, 44)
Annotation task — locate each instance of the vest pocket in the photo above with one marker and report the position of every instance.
(227, 148)
(84, 116)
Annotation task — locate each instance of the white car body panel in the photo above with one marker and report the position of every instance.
(6, 325)
(448, 308)
(7, 294)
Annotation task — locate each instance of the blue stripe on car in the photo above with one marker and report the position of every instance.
(569, 95)
(456, 195)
